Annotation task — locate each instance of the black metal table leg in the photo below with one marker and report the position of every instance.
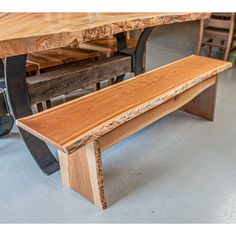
(6, 119)
(138, 57)
(1, 69)
(15, 77)
(138, 53)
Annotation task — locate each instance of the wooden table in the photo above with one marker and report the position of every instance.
(23, 33)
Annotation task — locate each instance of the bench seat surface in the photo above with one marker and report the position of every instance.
(102, 111)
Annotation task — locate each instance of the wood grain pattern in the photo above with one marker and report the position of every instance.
(74, 76)
(90, 117)
(106, 46)
(23, 33)
(203, 105)
(60, 56)
(82, 171)
(158, 112)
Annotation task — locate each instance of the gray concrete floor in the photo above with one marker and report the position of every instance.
(181, 169)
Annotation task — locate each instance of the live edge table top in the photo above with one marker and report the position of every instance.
(22, 33)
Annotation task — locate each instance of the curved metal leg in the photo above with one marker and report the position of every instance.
(138, 58)
(1, 69)
(6, 119)
(138, 53)
(18, 95)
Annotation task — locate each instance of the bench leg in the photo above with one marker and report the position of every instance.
(203, 105)
(82, 172)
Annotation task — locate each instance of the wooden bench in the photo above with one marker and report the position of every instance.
(81, 129)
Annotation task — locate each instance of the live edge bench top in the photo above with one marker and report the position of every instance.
(73, 124)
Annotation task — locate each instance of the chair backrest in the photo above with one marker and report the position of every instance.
(221, 21)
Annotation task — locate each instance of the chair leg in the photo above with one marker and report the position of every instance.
(204, 104)
(230, 37)
(82, 172)
(48, 104)
(227, 51)
(209, 51)
(97, 86)
(111, 81)
(40, 107)
(200, 37)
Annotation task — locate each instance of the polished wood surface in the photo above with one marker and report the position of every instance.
(59, 56)
(203, 105)
(82, 172)
(147, 118)
(72, 125)
(22, 33)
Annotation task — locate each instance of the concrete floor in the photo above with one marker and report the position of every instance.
(181, 169)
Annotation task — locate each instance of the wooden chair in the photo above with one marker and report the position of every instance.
(218, 31)
(81, 129)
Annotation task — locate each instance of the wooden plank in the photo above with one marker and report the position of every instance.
(94, 115)
(222, 24)
(74, 76)
(156, 113)
(107, 46)
(30, 67)
(213, 45)
(82, 171)
(60, 56)
(221, 14)
(203, 105)
(219, 34)
(24, 33)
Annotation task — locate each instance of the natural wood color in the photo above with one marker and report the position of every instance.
(60, 56)
(158, 112)
(200, 38)
(203, 105)
(22, 33)
(75, 76)
(216, 23)
(82, 171)
(221, 14)
(82, 128)
(31, 67)
(218, 31)
(111, 81)
(105, 110)
(106, 46)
